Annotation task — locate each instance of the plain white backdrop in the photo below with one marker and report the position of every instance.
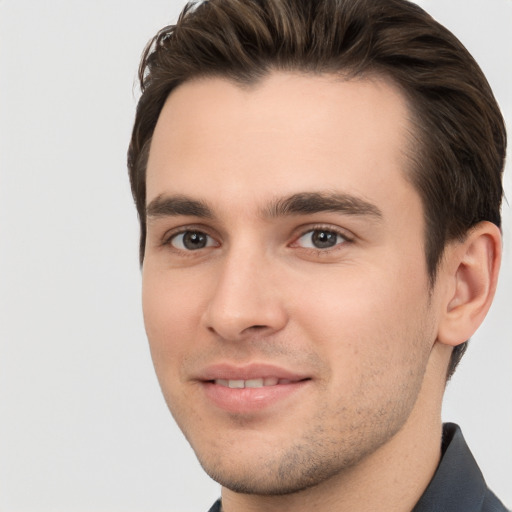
(83, 426)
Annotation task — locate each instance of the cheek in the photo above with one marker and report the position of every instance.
(169, 318)
(368, 321)
(376, 347)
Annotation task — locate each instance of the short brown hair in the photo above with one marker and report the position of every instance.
(458, 157)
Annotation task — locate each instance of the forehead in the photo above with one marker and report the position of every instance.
(289, 133)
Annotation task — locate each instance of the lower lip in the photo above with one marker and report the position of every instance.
(247, 400)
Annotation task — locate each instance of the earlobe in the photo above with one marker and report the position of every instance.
(472, 267)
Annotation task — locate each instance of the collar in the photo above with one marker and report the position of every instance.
(458, 483)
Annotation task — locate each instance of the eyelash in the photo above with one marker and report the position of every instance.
(327, 229)
(170, 237)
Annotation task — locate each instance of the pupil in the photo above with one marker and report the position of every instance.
(194, 240)
(324, 239)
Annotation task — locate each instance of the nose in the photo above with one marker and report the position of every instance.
(246, 299)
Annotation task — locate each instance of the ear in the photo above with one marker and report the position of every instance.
(471, 269)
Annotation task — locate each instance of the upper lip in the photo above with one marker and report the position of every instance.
(227, 371)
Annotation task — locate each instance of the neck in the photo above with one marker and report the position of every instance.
(391, 479)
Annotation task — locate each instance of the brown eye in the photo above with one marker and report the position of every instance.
(192, 241)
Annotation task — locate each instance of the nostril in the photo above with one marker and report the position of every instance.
(256, 329)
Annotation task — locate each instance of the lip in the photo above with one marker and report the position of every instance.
(249, 400)
(228, 371)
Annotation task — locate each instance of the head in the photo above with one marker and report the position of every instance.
(210, 147)
(459, 139)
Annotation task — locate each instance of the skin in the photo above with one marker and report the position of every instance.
(358, 318)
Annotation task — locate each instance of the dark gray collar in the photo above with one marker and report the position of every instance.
(458, 483)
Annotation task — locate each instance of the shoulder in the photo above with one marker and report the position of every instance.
(492, 504)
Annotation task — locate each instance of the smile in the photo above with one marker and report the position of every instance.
(245, 391)
(251, 389)
(252, 383)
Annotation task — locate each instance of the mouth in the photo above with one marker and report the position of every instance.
(250, 389)
(262, 382)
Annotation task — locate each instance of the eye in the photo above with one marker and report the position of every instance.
(320, 239)
(192, 241)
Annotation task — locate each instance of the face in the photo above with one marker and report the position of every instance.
(285, 292)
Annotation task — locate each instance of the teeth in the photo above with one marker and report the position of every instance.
(254, 383)
(251, 383)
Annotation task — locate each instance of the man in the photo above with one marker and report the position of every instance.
(319, 187)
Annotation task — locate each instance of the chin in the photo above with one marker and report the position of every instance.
(297, 469)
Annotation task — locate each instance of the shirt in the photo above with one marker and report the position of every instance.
(458, 484)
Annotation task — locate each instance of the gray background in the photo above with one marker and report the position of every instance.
(83, 426)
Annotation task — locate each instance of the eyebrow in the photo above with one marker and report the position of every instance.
(316, 202)
(304, 203)
(168, 206)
